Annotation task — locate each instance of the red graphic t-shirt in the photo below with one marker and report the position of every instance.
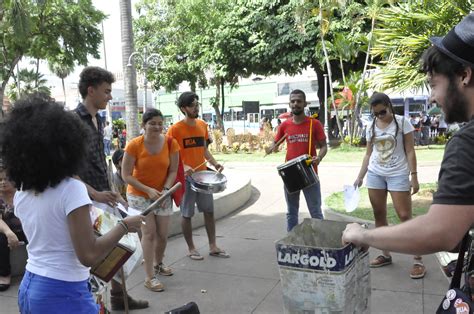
(297, 138)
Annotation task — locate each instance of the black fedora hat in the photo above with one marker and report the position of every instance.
(459, 42)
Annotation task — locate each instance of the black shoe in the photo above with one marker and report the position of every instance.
(118, 303)
(4, 287)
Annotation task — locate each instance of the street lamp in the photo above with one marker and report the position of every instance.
(146, 59)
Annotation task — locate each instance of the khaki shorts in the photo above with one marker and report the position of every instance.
(141, 203)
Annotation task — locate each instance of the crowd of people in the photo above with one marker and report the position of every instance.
(46, 203)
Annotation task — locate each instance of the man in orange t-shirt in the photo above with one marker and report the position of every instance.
(192, 136)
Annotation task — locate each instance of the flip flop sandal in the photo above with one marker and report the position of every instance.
(222, 254)
(195, 256)
(380, 261)
(418, 271)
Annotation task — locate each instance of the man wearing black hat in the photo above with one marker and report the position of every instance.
(449, 65)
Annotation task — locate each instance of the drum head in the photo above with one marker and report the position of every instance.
(208, 182)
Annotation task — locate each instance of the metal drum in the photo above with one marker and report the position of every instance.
(298, 173)
(208, 182)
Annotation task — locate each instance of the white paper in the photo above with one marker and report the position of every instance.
(351, 197)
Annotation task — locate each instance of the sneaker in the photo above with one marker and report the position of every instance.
(154, 285)
(418, 270)
(163, 270)
(380, 261)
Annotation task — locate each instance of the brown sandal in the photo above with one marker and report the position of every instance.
(380, 261)
(418, 270)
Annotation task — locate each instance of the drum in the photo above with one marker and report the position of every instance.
(298, 173)
(208, 182)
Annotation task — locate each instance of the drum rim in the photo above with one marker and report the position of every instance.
(223, 182)
(293, 161)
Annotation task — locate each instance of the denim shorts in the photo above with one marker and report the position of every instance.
(399, 183)
(140, 203)
(38, 294)
(204, 202)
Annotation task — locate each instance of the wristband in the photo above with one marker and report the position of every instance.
(123, 224)
(414, 172)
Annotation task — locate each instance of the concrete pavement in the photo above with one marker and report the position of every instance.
(249, 281)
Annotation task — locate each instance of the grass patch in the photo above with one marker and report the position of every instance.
(421, 202)
(341, 154)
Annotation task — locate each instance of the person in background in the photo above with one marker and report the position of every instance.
(117, 181)
(53, 207)
(425, 122)
(297, 130)
(150, 165)
(389, 161)
(11, 232)
(192, 136)
(107, 138)
(450, 73)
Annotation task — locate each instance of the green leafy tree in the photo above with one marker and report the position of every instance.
(52, 30)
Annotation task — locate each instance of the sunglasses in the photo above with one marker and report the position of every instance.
(380, 113)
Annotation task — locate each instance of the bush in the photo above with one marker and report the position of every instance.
(230, 136)
(440, 139)
(236, 147)
(245, 147)
(224, 149)
(356, 141)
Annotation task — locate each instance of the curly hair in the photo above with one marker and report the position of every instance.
(93, 76)
(42, 144)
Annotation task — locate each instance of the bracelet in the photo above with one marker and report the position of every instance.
(414, 172)
(166, 189)
(123, 224)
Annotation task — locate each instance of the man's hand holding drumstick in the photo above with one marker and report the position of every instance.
(274, 146)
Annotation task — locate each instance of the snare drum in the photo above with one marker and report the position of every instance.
(208, 182)
(297, 174)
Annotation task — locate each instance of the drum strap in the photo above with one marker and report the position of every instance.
(310, 135)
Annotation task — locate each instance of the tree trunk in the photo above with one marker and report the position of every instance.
(328, 66)
(356, 114)
(219, 120)
(130, 76)
(64, 91)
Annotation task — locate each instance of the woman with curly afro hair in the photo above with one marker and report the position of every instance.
(43, 146)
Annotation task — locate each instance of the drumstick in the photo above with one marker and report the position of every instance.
(276, 144)
(194, 169)
(158, 202)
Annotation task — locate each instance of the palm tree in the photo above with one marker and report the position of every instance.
(30, 82)
(62, 71)
(130, 76)
(403, 34)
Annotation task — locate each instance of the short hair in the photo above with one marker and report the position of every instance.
(93, 76)
(42, 143)
(434, 60)
(150, 114)
(186, 99)
(298, 92)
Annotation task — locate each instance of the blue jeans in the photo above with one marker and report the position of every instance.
(38, 295)
(312, 194)
(107, 147)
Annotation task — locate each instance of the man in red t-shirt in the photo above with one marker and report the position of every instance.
(297, 132)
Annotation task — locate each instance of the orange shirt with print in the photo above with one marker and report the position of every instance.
(149, 169)
(192, 140)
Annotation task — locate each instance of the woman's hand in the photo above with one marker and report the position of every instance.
(12, 239)
(134, 223)
(415, 186)
(358, 182)
(153, 194)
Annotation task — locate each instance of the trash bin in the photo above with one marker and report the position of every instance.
(320, 275)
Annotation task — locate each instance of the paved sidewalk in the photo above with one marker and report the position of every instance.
(249, 281)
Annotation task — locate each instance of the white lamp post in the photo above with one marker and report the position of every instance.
(146, 60)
